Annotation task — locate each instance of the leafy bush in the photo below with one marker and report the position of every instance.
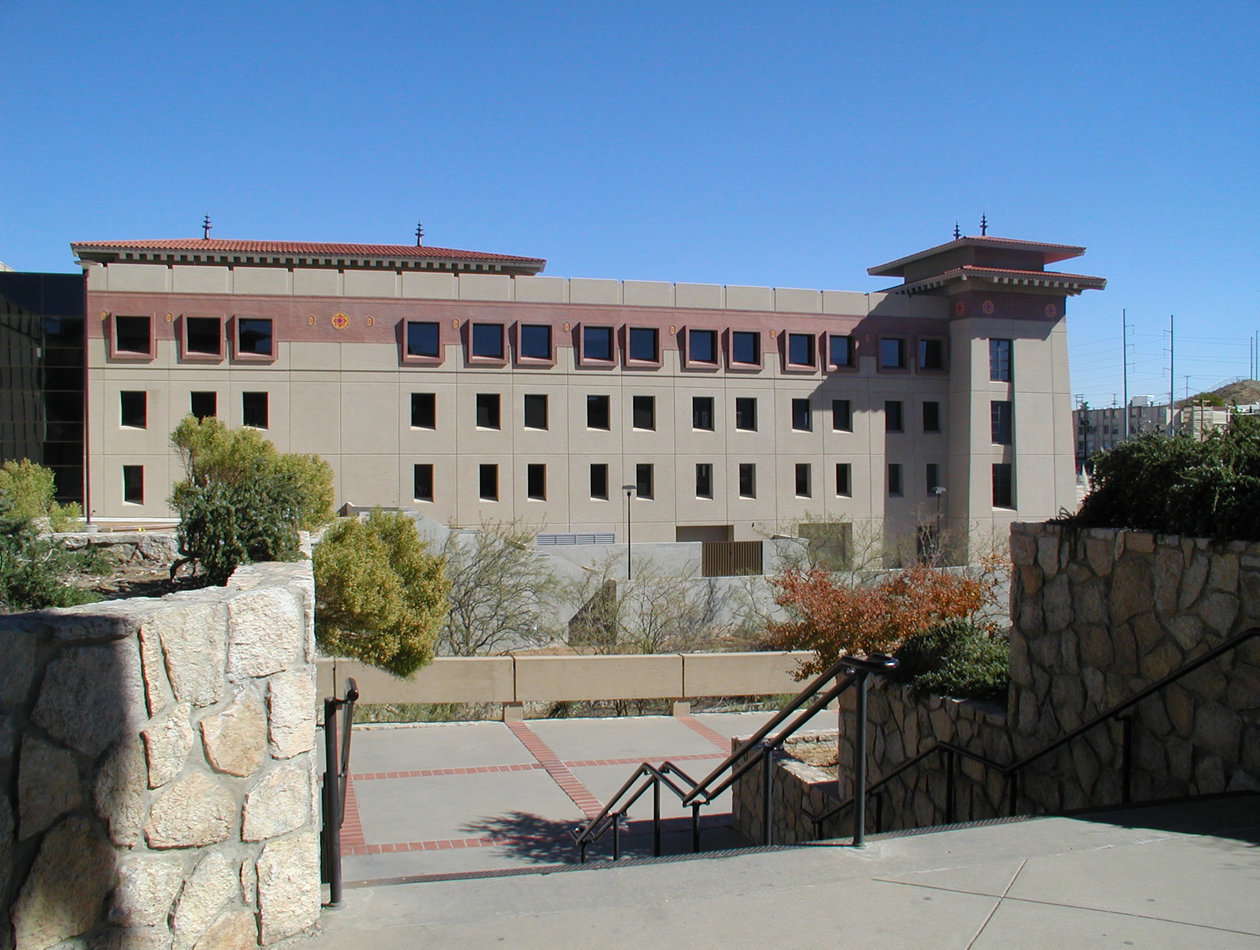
(957, 658)
(34, 571)
(30, 489)
(380, 597)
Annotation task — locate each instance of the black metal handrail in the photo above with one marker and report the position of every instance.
(847, 671)
(1011, 771)
(336, 783)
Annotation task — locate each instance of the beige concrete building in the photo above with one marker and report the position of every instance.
(471, 387)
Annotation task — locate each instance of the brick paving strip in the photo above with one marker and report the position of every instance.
(578, 793)
(696, 726)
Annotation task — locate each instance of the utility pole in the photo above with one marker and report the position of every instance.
(1124, 349)
(1172, 356)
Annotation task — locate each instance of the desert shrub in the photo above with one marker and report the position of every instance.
(34, 570)
(30, 489)
(380, 597)
(957, 658)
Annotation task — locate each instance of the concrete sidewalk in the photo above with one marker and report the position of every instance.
(1157, 877)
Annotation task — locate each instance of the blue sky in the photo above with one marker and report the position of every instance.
(788, 144)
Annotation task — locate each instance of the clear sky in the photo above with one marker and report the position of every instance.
(784, 144)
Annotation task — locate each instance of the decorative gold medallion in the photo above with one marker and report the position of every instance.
(340, 321)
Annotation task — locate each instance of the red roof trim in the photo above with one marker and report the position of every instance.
(301, 248)
(1050, 252)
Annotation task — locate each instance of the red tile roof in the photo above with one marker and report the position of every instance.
(301, 248)
(1050, 253)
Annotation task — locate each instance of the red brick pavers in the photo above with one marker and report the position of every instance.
(560, 774)
(696, 726)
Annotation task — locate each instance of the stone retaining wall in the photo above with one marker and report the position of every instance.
(158, 768)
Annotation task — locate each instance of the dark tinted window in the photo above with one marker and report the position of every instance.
(424, 411)
(203, 335)
(597, 343)
(535, 341)
(702, 346)
(422, 338)
(745, 347)
(487, 340)
(131, 335)
(800, 349)
(203, 405)
(643, 344)
(253, 336)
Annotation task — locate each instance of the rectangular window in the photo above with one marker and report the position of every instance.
(487, 410)
(487, 340)
(1000, 368)
(933, 477)
(643, 480)
(702, 412)
(931, 417)
(746, 347)
(643, 345)
(800, 349)
(746, 413)
(597, 412)
(892, 353)
(893, 421)
(1003, 486)
(702, 346)
(422, 482)
(931, 354)
(536, 482)
(253, 336)
(644, 411)
(133, 335)
(894, 479)
(254, 410)
(747, 480)
(801, 421)
(535, 410)
(597, 344)
(844, 471)
(599, 481)
(203, 336)
(1000, 421)
(423, 410)
(203, 405)
(422, 339)
(803, 479)
(704, 480)
(839, 350)
(134, 409)
(535, 341)
(488, 482)
(133, 484)
(841, 415)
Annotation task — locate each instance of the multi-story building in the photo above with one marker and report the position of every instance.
(469, 386)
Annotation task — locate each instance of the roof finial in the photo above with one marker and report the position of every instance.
(984, 225)
(205, 228)
(957, 232)
(419, 234)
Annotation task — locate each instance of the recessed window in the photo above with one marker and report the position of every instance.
(203, 405)
(597, 412)
(422, 339)
(423, 410)
(536, 482)
(844, 474)
(643, 480)
(1001, 369)
(534, 341)
(1003, 486)
(746, 413)
(803, 479)
(704, 480)
(893, 421)
(535, 410)
(933, 478)
(1000, 421)
(644, 345)
(894, 479)
(931, 354)
(422, 482)
(597, 344)
(487, 410)
(134, 409)
(747, 480)
(801, 421)
(488, 482)
(254, 410)
(746, 347)
(644, 411)
(133, 484)
(203, 336)
(800, 349)
(133, 335)
(931, 417)
(599, 481)
(839, 350)
(253, 336)
(702, 346)
(841, 415)
(487, 341)
(892, 353)
(702, 413)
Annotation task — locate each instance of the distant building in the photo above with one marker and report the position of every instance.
(1100, 430)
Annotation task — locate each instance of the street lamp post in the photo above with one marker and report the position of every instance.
(629, 490)
(938, 491)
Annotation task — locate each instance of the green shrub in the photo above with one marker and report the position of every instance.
(30, 489)
(34, 571)
(956, 658)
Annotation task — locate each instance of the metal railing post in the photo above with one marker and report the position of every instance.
(951, 801)
(332, 803)
(767, 786)
(656, 818)
(695, 828)
(859, 767)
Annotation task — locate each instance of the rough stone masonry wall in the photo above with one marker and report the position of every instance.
(157, 764)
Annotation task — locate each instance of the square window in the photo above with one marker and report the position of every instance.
(702, 346)
(253, 336)
(643, 480)
(894, 479)
(931, 354)
(423, 410)
(844, 471)
(933, 478)
(702, 413)
(133, 335)
(488, 482)
(597, 344)
(134, 409)
(487, 410)
(534, 342)
(599, 481)
(931, 417)
(644, 411)
(746, 347)
(422, 482)
(801, 421)
(704, 480)
(1000, 366)
(747, 480)
(536, 482)
(203, 405)
(203, 336)
(254, 410)
(892, 353)
(893, 421)
(800, 349)
(535, 410)
(1003, 486)
(597, 412)
(133, 484)
(422, 339)
(1000, 421)
(841, 415)
(746, 413)
(643, 345)
(839, 350)
(803, 479)
(487, 340)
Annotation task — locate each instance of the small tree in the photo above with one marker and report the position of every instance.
(380, 597)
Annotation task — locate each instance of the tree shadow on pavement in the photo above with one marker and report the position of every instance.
(528, 836)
